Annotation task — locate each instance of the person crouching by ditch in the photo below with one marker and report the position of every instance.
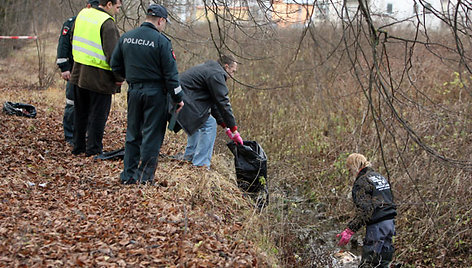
(144, 56)
(375, 209)
(206, 105)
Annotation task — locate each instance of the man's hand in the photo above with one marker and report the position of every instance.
(180, 105)
(65, 75)
(229, 133)
(237, 138)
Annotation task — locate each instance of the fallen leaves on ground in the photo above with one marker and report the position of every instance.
(60, 210)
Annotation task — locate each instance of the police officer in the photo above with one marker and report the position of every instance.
(144, 56)
(65, 63)
(95, 36)
(376, 210)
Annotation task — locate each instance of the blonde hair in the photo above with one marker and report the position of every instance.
(356, 162)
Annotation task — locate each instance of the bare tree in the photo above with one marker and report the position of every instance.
(343, 75)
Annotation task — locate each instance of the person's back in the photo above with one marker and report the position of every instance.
(205, 88)
(91, 69)
(198, 77)
(143, 60)
(380, 196)
(206, 105)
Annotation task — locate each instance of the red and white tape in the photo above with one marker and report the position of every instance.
(18, 37)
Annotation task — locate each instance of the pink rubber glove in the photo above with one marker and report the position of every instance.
(345, 237)
(237, 138)
(229, 133)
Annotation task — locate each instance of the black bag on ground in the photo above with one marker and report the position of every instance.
(250, 162)
(20, 109)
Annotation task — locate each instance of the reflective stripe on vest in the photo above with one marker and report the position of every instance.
(87, 43)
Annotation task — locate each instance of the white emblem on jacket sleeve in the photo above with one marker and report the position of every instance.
(177, 90)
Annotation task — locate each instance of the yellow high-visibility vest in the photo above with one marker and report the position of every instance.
(87, 43)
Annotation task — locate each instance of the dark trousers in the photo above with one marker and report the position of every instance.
(68, 119)
(378, 249)
(147, 119)
(90, 116)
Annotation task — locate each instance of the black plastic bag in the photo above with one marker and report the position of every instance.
(20, 109)
(250, 162)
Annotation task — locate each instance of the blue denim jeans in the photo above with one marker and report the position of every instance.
(200, 144)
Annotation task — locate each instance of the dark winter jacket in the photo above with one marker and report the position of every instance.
(373, 198)
(149, 58)
(96, 79)
(64, 46)
(205, 91)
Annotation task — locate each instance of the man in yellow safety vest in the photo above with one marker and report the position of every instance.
(94, 37)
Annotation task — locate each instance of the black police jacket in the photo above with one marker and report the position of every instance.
(373, 198)
(206, 93)
(64, 46)
(144, 55)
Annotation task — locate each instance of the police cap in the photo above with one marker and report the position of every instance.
(157, 11)
(94, 2)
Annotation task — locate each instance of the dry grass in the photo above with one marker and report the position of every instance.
(311, 114)
(308, 127)
(204, 206)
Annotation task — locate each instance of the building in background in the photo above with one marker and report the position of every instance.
(409, 13)
(401, 14)
(290, 13)
(230, 13)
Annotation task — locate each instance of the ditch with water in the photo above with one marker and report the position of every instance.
(310, 236)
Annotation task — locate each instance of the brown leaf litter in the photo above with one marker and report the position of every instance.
(58, 210)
